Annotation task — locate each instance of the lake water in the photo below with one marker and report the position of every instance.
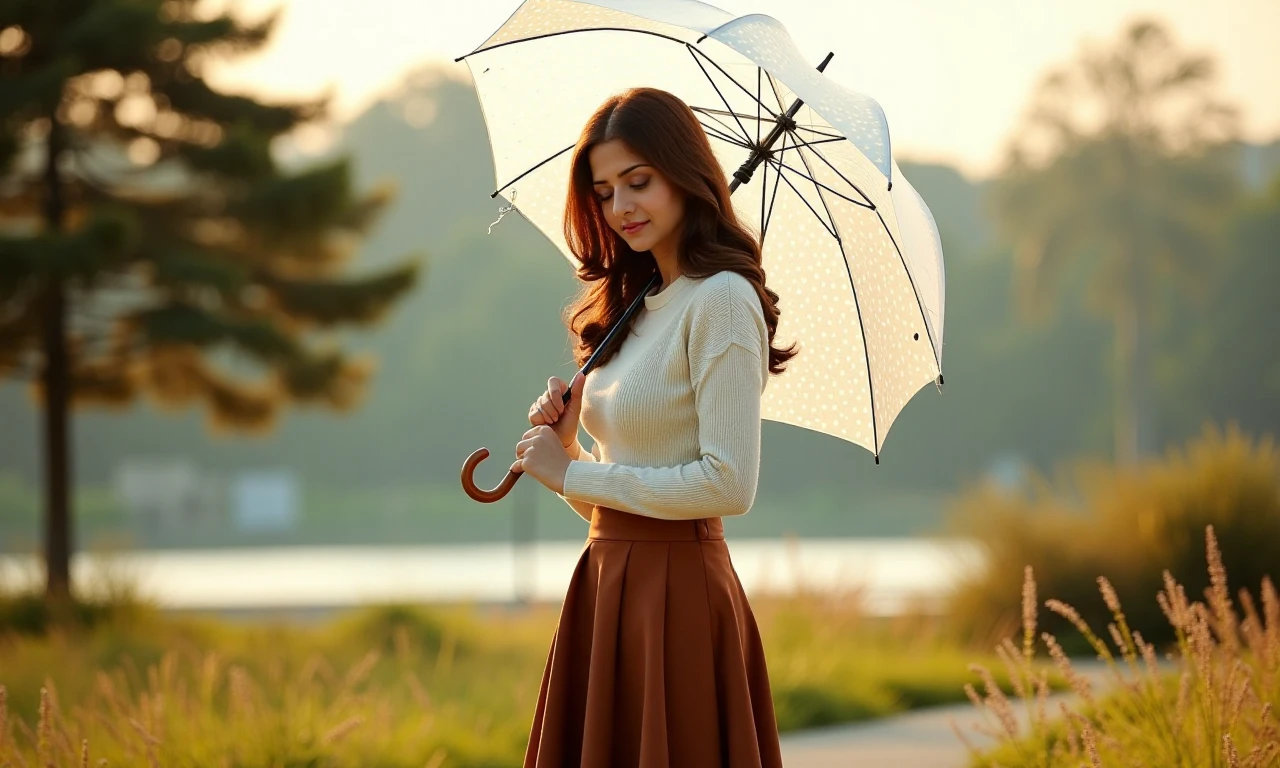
(890, 574)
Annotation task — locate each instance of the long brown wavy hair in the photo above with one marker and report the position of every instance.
(662, 130)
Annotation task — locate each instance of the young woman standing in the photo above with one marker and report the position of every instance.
(657, 659)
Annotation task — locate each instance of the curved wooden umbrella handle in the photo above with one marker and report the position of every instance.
(478, 493)
(469, 466)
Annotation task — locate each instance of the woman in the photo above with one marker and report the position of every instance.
(657, 659)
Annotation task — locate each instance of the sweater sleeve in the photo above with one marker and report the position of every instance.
(583, 508)
(727, 344)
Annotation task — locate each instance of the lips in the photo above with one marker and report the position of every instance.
(634, 228)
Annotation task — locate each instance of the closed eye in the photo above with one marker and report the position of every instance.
(641, 185)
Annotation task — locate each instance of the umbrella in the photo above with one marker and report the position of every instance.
(846, 241)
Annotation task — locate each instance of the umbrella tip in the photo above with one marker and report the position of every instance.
(877, 458)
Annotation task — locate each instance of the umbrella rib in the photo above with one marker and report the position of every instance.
(726, 135)
(571, 32)
(746, 136)
(911, 280)
(862, 327)
(531, 170)
(799, 194)
(745, 115)
(844, 178)
(919, 304)
(758, 105)
(731, 79)
(730, 139)
(858, 203)
(821, 141)
(820, 133)
(711, 113)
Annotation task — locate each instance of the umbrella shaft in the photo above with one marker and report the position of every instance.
(740, 176)
(784, 123)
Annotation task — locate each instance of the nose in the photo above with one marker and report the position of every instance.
(622, 204)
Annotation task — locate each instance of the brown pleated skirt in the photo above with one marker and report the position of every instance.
(657, 660)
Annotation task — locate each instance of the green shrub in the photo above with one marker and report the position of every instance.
(1129, 524)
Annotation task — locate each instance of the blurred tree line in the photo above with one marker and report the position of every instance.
(469, 349)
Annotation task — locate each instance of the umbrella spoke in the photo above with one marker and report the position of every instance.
(727, 134)
(531, 170)
(692, 51)
(816, 183)
(844, 178)
(731, 79)
(822, 141)
(728, 139)
(825, 222)
(857, 304)
(811, 129)
(770, 120)
(888, 233)
(743, 115)
(914, 291)
(759, 104)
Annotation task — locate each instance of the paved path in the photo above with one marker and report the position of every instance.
(919, 739)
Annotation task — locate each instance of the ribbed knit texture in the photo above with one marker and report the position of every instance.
(675, 415)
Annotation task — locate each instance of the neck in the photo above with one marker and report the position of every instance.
(667, 265)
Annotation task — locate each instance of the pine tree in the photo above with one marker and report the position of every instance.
(150, 244)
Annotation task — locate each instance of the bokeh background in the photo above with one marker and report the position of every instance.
(289, 318)
(1032, 365)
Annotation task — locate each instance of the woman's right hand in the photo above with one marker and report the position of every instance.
(551, 409)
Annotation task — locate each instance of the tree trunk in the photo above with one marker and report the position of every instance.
(55, 378)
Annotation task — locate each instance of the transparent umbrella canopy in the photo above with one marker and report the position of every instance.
(847, 243)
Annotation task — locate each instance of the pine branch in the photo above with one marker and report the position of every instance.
(180, 324)
(327, 303)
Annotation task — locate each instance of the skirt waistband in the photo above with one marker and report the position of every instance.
(608, 523)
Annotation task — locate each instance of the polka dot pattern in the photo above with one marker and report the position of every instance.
(860, 119)
(864, 339)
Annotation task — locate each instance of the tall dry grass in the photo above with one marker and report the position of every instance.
(392, 684)
(1210, 703)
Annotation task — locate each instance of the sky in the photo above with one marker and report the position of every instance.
(953, 76)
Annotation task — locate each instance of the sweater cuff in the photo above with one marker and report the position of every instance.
(583, 480)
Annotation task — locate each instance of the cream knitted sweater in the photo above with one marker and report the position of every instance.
(675, 414)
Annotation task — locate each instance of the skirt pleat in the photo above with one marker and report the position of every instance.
(656, 659)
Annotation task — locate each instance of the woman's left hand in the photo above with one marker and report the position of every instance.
(541, 455)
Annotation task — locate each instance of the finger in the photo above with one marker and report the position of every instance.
(517, 467)
(550, 414)
(556, 396)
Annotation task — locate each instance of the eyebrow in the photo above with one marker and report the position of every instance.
(624, 172)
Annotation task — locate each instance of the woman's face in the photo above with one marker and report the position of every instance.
(636, 199)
